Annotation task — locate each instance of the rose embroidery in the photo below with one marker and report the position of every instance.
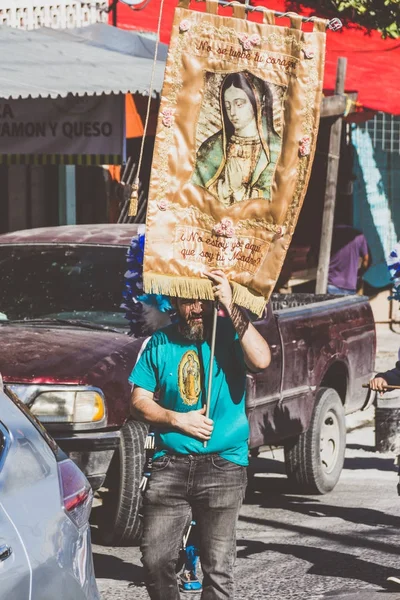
(162, 205)
(309, 52)
(248, 41)
(279, 232)
(225, 228)
(305, 146)
(167, 117)
(184, 25)
(255, 39)
(245, 41)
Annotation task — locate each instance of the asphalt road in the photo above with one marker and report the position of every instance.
(340, 546)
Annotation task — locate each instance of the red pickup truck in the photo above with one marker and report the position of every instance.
(67, 353)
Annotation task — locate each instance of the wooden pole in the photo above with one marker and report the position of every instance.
(330, 188)
(212, 353)
(385, 387)
(113, 9)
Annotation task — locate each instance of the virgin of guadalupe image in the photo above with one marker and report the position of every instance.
(238, 162)
(190, 380)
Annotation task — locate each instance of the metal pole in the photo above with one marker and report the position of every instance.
(113, 9)
(330, 188)
(125, 178)
(66, 195)
(212, 354)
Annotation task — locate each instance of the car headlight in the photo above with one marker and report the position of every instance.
(68, 407)
(62, 405)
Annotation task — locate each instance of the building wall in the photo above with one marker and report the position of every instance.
(30, 195)
(31, 14)
(377, 198)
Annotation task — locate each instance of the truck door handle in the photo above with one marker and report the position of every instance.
(5, 552)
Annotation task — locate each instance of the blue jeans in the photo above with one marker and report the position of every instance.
(213, 489)
(333, 289)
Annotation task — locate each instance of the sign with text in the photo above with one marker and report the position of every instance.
(201, 246)
(73, 125)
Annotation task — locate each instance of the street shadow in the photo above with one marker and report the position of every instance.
(313, 508)
(364, 447)
(370, 462)
(107, 566)
(261, 488)
(266, 465)
(344, 594)
(328, 563)
(279, 493)
(274, 492)
(344, 539)
(266, 485)
(96, 515)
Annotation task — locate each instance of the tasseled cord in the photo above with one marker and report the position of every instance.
(134, 200)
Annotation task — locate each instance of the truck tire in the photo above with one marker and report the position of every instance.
(314, 459)
(119, 523)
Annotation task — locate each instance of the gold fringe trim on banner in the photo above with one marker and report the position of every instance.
(180, 287)
(191, 287)
(247, 298)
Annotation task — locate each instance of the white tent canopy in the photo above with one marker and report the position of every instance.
(94, 60)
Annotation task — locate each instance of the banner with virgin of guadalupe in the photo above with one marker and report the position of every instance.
(235, 141)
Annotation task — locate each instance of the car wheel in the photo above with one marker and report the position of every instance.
(119, 523)
(314, 459)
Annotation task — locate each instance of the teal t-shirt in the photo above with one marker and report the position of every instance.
(177, 369)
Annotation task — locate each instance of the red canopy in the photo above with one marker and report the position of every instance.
(373, 63)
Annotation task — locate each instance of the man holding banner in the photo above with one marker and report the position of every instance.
(188, 474)
(235, 141)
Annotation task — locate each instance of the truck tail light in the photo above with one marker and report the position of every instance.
(76, 492)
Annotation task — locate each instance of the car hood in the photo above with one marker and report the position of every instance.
(43, 354)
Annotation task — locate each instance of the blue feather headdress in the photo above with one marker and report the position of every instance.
(393, 263)
(145, 312)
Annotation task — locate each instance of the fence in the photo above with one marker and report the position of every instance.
(31, 14)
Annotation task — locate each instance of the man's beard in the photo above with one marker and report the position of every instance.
(195, 331)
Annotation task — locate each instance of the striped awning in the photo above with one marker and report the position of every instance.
(84, 160)
(94, 60)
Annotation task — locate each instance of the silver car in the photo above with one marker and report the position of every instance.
(45, 501)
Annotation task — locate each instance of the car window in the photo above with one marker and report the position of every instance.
(62, 281)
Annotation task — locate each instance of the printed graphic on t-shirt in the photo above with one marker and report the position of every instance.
(189, 378)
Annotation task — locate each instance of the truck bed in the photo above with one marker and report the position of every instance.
(316, 341)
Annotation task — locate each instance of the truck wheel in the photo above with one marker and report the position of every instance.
(119, 523)
(314, 460)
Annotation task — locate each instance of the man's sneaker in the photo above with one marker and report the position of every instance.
(189, 583)
(393, 581)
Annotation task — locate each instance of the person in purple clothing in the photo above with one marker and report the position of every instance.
(349, 256)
